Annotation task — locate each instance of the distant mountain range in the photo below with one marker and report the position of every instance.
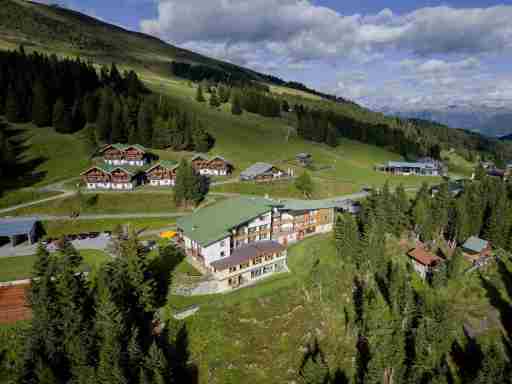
(489, 121)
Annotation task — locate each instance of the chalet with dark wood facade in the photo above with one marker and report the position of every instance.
(262, 172)
(125, 154)
(162, 174)
(215, 166)
(110, 177)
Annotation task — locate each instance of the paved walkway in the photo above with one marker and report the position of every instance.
(100, 243)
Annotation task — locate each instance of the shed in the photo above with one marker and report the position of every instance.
(17, 229)
(475, 245)
(255, 170)
(304, 159)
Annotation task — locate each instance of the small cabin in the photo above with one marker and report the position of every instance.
(110, 177)
(304, 159)
(262, 172)
(125, 154)
(216, 166)
(163, 174)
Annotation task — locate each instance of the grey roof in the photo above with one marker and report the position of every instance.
(304, 205)
(13, 227)
(475, 244)
(405, 164)
(248, 252)
(256, 170)
(303, 155)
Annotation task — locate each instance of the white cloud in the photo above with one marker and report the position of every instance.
(304, 31)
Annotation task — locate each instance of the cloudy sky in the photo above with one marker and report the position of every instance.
(397, 54)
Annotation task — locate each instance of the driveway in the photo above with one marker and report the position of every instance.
(100, 243)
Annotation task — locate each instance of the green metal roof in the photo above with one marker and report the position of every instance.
(303, 205)
(167, 164)
(214, 222)
(108, 168)
(200, 156)
(123, 147)
(475, 244)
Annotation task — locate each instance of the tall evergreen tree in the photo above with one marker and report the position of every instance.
(236, 107)
(41, 105)
(62, 120)
(199, 94)
(145, 122)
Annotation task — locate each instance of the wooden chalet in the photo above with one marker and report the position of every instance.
(162, 174)
(262, 172)
(215, 166)
(125, 154)
(423, 261)
(110, 177)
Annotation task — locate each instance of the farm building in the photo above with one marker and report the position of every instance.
(125, 154)
(111, 177)
(215, 166)
(423, 261)
(162, 173)
(262, 172)
(410, 168)
(16, 231)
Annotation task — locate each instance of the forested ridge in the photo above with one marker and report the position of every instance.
(407, 332)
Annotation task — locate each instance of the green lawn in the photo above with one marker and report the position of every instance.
(21, 196)
(66, 227)
(255, 334)
(19, 268)
(64, 156)
(106, 203)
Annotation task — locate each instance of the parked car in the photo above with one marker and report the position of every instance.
(83, 236)
(94, 235)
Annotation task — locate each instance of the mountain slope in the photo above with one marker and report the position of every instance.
(64, 31)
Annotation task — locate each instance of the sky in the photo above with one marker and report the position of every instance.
(400, 55)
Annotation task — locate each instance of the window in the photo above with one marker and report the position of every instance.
(232, 269)
(253, 229)
(245, 265)
(222, 254)
(223, 243)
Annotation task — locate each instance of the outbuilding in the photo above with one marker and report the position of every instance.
(19, 230)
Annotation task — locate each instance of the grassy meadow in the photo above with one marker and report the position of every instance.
(259, 334)
(21, 196)
(19, 268)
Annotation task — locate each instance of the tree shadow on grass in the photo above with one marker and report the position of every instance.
(17, 169)
(161, 268)
(499, 302)
(468, 357)
(178, 355)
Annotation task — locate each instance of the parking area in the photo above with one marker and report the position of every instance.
(95, 240)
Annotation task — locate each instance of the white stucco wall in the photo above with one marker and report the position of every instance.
(213, 251)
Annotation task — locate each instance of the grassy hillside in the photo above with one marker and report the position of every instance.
(259, 334)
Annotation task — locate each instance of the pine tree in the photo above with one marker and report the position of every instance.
(145, 122)
(41, 107)
(91, 108)
(236, 107)
(480, 172)
(161, 135)
(118, 135)
(110, 323)
(199, 94)
(62, 120)
(12, 108)
(332, 136)
(188, 189)
(104, 121)
(304, 184)
(214, 101)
